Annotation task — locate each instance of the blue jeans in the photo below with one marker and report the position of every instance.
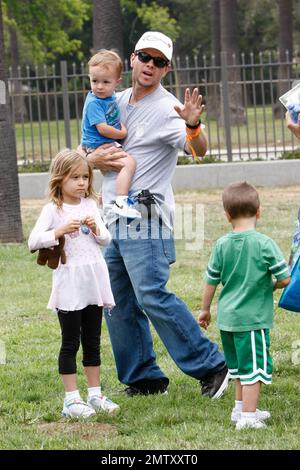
(139, 270)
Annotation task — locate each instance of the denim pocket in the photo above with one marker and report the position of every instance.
(169, 248)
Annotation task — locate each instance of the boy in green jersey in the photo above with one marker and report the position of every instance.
(245, 262)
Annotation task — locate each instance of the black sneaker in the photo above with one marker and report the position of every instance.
(147, 387)
(213, 386)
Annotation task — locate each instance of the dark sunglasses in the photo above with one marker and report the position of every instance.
(157, 61)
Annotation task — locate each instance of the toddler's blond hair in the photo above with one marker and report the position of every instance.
(107, 59)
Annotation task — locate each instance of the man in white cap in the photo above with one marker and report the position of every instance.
(140, 253)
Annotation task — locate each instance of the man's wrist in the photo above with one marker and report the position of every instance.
(193, 126)
(192, 133)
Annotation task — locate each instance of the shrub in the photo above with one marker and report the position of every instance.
(187, 160)
(290, 155)
(38, 167)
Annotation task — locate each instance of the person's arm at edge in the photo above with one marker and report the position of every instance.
(294, 128)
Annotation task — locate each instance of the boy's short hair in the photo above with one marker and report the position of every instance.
(240, 200)
(105, 58)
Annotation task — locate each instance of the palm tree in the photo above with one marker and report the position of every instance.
(10, 214)
(213, 108)
(229, 45)
(215, 29)
(20, 112)
(285, 29)
(285, 21)
(107, 25)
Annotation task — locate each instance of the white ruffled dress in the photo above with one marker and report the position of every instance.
(84, 279)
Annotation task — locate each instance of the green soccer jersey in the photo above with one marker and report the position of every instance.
(244, 263)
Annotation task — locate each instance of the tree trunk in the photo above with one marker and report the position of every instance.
(20, 112)
(10, 214)
(215, 22)
(107, 26)
(214, 98)
(285, 20)
(229, 44)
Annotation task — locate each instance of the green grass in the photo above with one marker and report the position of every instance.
(31, 393)
(44, 139)
(261, 129)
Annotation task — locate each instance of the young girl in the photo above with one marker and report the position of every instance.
(81, 287)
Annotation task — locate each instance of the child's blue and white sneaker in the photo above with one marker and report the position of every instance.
(124, 207)
(77, 408)
(102, 403)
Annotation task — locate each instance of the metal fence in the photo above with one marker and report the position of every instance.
(243, 117)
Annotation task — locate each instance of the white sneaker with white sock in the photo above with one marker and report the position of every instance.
(249, 420)
(75, 407)
(99, 402)
(262, 415)
(123, 208)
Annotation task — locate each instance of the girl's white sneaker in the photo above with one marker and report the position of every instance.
(77, 408)
(102, 403)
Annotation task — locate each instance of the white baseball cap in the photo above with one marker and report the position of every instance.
(156, 40)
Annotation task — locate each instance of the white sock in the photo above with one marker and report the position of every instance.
(238, 405)
(248, 415)
(73, 395)
(92, 391)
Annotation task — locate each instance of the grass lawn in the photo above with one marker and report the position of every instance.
(36, 141)
(31, 393)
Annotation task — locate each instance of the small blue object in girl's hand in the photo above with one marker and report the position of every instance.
(84, 228)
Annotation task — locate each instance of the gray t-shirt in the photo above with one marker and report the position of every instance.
(155, 134)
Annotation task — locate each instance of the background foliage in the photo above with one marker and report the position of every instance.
(62, 29)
